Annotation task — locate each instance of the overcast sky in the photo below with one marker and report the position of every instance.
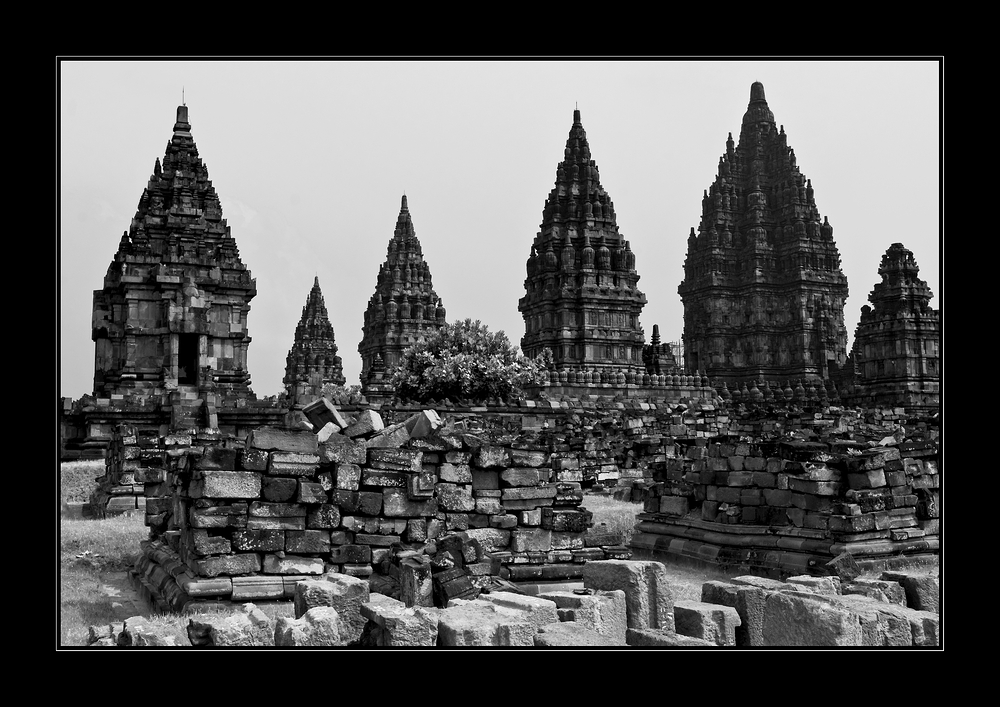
(310, 159)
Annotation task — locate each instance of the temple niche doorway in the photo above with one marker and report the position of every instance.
(187, 359)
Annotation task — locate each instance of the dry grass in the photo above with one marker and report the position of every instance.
(90, 551)
(618, 516)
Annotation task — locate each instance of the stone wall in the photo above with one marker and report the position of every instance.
(244, 520)
(776, 491)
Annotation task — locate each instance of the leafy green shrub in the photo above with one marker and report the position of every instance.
(465, 360)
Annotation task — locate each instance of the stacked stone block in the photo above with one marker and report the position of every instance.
(439, 514)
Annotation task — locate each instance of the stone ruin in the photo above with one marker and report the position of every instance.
(245, 501)
(581, 300)
(763, 291)
(403, 309)
(312, 361)
(896, 357)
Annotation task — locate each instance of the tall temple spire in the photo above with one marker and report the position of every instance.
(404, 307)
(312, 362)
(583, 304)
(176, 294)
(767, 298)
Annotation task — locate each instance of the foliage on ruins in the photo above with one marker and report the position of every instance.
(342, 395)
(465, 360)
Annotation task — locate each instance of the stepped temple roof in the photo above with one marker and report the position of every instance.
(313, 359)
(174, 305)
(763, 289)
(896, 352)
(581, 297)
(404, 307)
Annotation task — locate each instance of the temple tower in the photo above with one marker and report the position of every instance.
(173, 309)
(897, 342)
(404, 308)
(312, 362)
(763, 291)
(581, 299)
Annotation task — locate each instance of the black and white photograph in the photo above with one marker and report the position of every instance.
(579, 353)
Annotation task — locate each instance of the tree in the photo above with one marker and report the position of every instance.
(465, 360)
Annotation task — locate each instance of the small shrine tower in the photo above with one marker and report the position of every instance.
(897, 342)
(581, 296)
(404, 307)
(312, 362)
(763, 290)
(173, 310)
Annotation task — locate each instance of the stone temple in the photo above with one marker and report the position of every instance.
(896, 353)
(581, 298)
(763, 291)
(172, 315)
(404, 308)
(312, 361)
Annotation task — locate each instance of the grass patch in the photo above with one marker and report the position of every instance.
(90, 552)
(618, 516)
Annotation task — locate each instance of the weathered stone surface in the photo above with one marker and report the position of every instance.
(490, 539)
(881, 624)
(488, 457)
(923, 591)
(454, 498)
(528, 457)
(748, 601)
(307, 541)
(396, 503)
(273, 438)
(846, 567)
(878, 589)
(318, 627)
(257, 587)
(400, 625)
(138, 632)
(250, 627)
(415, 582)
(570, 633)
(455, 473)
(539, 611)
(798, 619)
(528, 493)
(227, 484)
(277, 489)
(323, 516)
(368, 422)
(312, 493)
(530, 540)
(343, 452)
(649, 598)
(205, 544)
(242, 563)
(291, 564)
(480, 623)
(322, 411)
(709, 622)
(819, 585)
(276, 510)
(602, 612)
(423, 424)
